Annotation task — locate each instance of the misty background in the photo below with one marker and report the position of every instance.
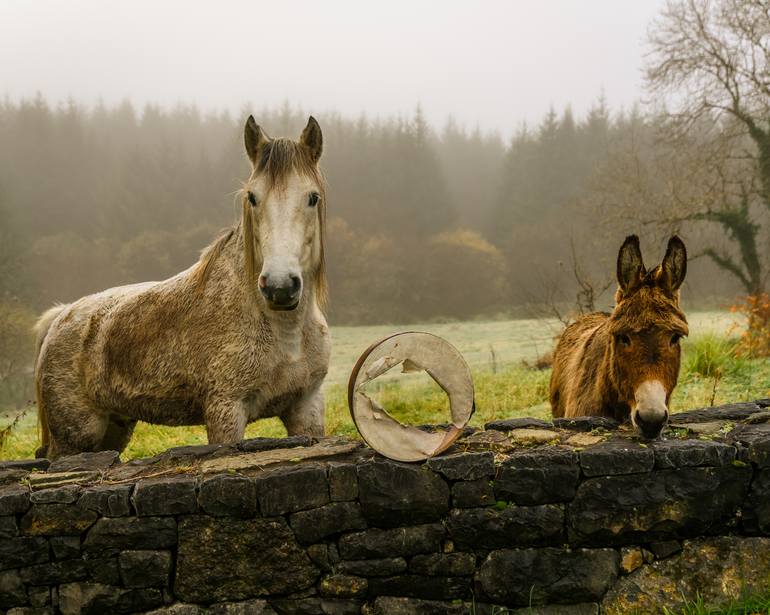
(484, 160)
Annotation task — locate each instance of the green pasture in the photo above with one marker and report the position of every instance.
(499, 353)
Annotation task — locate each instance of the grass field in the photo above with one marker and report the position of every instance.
(505, 387)
(759, 605)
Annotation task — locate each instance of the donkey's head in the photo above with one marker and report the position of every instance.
(646, 326)
(283, 216)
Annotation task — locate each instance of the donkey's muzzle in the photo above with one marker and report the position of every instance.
(281, 292)
(650, 429)
(651, 412)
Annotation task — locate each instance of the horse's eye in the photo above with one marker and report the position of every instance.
(623, 339)
(675, 339)
(313, 199)
(252, 199)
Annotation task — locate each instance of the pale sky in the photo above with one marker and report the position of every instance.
(488, 63)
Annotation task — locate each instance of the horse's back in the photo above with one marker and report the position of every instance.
(68, 336)
(67, 324)
(569, 363)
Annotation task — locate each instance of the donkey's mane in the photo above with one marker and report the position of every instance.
(277, 160)
(648, 306)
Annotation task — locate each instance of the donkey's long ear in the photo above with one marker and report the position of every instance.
(630, 264)
(254, 139)
(674, 264)
(312, 139)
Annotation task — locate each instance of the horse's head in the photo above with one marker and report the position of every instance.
(283, 215)
(646, 326)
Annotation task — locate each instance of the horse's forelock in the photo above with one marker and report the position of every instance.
(279, 158)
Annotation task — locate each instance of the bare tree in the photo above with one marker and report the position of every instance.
(550, 301)
(709, 67)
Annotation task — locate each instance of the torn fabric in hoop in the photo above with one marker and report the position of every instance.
(414, 351)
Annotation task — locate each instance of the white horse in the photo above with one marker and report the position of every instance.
(241, 335)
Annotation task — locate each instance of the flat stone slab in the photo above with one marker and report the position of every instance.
(85, 461)
(660, 505)
(758, 417)
(466, 466)
(400, 494)
(619, 456)
(255, 445)
(11, 476)
(584, 439)
(325, 448)
(756, 442)
(518, 423)
(728, 412)
(586, 423)
(25, 464)
(544, 475)
(47, 480)
(705, 428)
(532, 436)
(691, 452)
(487, 440)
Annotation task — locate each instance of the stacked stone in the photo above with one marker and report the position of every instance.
(546, 525)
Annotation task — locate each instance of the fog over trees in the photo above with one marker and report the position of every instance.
(423, 223)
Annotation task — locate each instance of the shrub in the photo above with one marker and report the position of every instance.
(16, 353)
(462, 274)
(712, 355)
(755, 339)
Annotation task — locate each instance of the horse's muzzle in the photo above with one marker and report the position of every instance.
(281, 293)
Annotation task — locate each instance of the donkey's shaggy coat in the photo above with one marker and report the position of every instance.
(626, 364)
(239, 336)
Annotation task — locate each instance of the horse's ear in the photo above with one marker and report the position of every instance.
(630, 264)
(674, 264)
(254, 139)
(312, 139)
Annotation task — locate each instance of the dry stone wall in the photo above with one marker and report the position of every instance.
(574, 517)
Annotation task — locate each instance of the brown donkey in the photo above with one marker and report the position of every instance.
(626, 364)
(239, 336)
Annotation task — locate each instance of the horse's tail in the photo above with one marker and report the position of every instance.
(41, 328)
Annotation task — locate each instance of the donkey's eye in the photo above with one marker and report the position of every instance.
(252, 199)
(313, 199)
(623, 339)
(675, 339)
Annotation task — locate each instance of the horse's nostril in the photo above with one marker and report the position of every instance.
(282, 290)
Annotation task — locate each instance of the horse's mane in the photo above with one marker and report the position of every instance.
(278, 159)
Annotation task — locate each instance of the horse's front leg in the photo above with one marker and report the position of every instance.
(225, 420)
(306, 417)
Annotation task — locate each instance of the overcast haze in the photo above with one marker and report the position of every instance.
(492, 64)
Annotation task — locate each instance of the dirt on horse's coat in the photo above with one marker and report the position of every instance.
(239, 336)
(626, 364)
